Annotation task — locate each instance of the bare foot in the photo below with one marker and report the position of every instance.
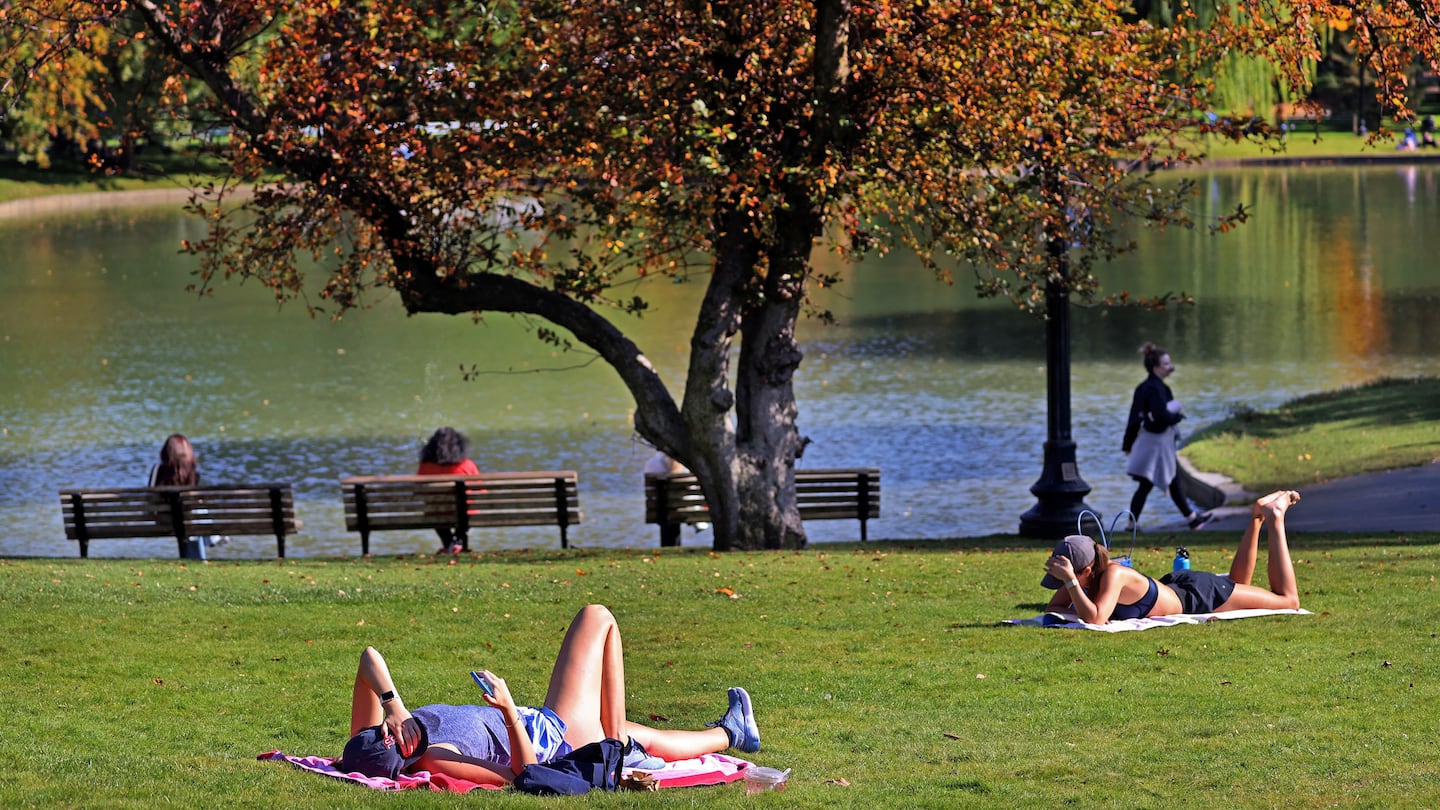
(1275, 504)
(1261, 505)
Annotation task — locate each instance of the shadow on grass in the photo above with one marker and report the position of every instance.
(1386, 402)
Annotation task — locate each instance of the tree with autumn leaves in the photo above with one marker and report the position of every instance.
(538, 158)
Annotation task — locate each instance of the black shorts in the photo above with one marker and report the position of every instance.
(1200, 591)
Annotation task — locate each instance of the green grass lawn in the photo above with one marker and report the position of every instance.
(1384, 425)
(1307, 143)
(878, 670)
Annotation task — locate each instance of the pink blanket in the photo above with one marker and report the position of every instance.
(711, 769)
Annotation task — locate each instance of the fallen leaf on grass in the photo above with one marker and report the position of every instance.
(947, 735)
(727, 592)
(841, 782)
(659, 718)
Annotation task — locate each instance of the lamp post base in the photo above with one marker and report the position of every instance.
(1061, 495)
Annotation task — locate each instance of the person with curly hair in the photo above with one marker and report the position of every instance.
(447, 453)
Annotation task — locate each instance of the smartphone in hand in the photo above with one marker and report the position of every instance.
(483, 684)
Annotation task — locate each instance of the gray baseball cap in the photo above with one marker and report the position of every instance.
(1081, 551)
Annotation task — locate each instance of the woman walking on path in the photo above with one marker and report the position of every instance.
(1151, 437)
(1098, 590)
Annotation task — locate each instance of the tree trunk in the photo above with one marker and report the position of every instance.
(746, 464)
(767, 439)
(708, 403)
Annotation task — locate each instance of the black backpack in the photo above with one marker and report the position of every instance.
(595, 765)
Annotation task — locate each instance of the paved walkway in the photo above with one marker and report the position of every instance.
(1405, 500)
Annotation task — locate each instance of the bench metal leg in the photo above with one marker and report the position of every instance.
(669, 534)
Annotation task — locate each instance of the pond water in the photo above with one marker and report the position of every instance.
(103, 353)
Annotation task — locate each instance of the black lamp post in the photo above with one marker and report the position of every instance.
(1060, 489)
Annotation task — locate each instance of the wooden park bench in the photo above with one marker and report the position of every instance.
(672, 499)
(179, 512)
(460, 503)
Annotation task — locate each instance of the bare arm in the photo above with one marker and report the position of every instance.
(522, 748)
(375, 700)
(1060, 600)
(1090, 611)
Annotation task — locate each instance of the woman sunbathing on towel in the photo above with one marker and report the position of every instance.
(491, 744)
(1080, 569)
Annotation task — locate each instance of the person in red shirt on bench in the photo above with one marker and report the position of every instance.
(447, 453)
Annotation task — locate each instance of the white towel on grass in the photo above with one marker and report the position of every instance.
(1070, 621)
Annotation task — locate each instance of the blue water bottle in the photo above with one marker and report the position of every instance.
(1182, 559)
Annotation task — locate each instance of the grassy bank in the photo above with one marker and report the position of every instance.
(22, 181)
(1307, 144)
(1385, 425)
(879, 674)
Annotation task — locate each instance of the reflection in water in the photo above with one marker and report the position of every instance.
(102, 354)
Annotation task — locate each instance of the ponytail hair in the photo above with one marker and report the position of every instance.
(1151, 354)
(1097, 569)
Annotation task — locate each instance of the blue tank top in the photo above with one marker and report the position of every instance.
(476, 731)
(1141, 608)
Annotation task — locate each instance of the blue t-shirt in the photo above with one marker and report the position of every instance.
(479, 731)
(476, 731)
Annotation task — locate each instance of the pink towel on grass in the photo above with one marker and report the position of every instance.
(710, 769)
(407, 781)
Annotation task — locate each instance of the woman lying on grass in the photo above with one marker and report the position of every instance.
(491, 744)
(1080, 569)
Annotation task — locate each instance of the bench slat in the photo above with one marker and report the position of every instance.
(393, 502)
(132, 512)
(820, 494)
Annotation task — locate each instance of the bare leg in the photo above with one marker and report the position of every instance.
(1284, 592)
(1242, 568)
(1279, 566)
(365, 709)
(587, 690)
(587, 686)
(673, 744)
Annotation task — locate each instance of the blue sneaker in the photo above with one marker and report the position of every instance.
(637, 757)
(739, 722)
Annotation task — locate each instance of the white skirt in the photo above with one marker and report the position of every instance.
(1152, 457)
